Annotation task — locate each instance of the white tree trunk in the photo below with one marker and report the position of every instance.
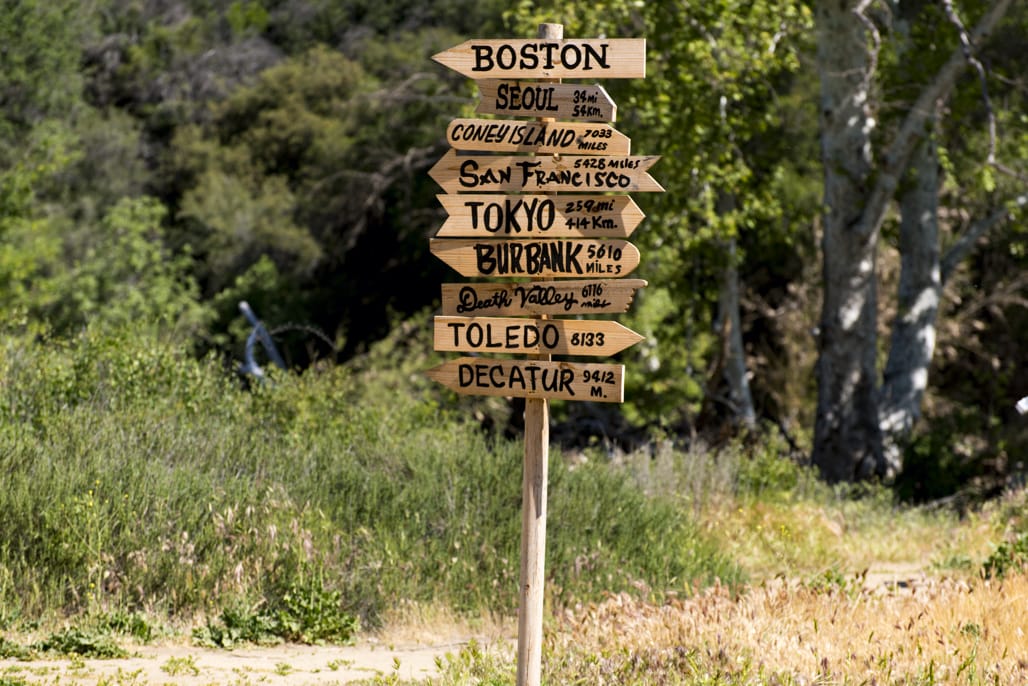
(912, 341)
(847, 440)
(735, 358)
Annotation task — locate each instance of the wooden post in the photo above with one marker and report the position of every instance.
(533, 513)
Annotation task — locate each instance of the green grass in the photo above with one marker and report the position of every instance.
(140, 480)
(145, 487)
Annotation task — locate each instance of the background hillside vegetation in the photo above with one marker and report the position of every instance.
(161, 161)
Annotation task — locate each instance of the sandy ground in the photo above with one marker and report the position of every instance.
(182, 664)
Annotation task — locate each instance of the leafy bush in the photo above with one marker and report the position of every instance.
(311, 614)
(237, 625)
(1009, 556)
(306, 613)
(75, 641)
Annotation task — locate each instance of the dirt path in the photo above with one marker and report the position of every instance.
(289, 665)
(407, 653)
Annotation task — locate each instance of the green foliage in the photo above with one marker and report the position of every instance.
(179, 666)
(474, 664)
(1009, 557)
(126, 276)
(134, 624)
(618, 528)
(40, 76)
(138, 477)
(712, 107)
(75, 641)
(310, 613)
(306, 613)
(246, 17)
(237, 625)
(10, 650)
(769, 474)
(315, 166)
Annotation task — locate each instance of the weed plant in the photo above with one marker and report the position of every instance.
(140, 479)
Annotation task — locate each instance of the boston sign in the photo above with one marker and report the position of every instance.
(604, 58)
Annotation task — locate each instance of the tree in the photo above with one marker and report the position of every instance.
(709, 107)
(855, 414)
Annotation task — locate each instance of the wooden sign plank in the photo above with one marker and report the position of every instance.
(532, 379)
(535, 58)
(504, 173)
(599, 296)
(505, 135)
(532, 336)
(539, 216)
(558, 100)
(561, 258)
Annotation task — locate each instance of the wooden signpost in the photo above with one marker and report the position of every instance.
(506, 219)
(594, 174)
(555, 138)
(539, 216)
(557, 100)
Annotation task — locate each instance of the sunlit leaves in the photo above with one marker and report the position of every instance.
(715, 106)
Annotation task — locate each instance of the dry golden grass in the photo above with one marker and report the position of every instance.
(933, 632)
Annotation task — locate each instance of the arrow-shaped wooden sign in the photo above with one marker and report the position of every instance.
(561, 258)
(539, 216)
(532, 379)
(556, 100)
(532, 336)
(598, 296)
(534, 58)
(505, 135)
(545, 174)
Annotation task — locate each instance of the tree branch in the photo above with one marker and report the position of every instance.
(897, 156)
(960, 249)
(876, 38)
(968, 47)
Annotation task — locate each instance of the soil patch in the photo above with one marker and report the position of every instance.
(285, 665)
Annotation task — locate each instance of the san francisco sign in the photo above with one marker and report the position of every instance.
(541, 174)
(539, 216)
(598, 58)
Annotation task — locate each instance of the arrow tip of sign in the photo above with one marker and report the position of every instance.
(436, 373)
